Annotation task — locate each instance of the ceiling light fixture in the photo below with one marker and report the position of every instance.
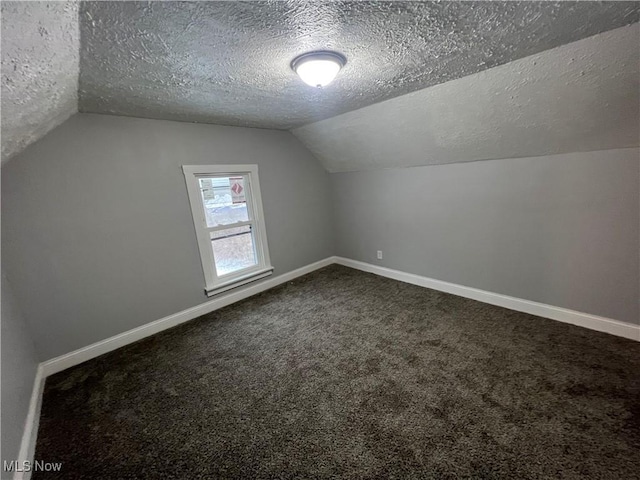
(318, 69)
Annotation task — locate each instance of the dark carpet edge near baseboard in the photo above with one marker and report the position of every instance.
(408, 382)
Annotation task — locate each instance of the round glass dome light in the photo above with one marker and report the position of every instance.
(318, 69)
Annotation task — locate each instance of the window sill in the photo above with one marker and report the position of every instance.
(239, 281)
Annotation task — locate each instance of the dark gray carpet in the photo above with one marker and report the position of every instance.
(342, 374)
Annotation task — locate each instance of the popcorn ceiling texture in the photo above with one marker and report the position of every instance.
(578, 97)
(229, 62)
(40, 63)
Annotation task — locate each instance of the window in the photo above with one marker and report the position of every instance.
(227, 214)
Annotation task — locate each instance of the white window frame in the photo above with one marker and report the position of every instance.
(215, 284)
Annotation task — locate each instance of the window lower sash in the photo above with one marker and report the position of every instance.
(238, 281)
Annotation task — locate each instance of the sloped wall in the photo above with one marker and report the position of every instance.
(579, 97)
(40, 65)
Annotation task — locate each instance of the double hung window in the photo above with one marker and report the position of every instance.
(229, 223)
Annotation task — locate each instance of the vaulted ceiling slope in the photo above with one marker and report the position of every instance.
(40, 64)
(579, 97)
(228, 62)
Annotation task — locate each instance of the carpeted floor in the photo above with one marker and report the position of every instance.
(342, 374)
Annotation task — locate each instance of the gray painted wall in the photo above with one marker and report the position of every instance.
(561, 230)
(19, 365)
(97, 234)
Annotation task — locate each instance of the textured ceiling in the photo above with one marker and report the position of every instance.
(578, 97)
(228, 62)
(40, 44)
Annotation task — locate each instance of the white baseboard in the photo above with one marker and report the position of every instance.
(57, 364)
(76, 357)
(29, 436)
(592, 322)
(586, 320)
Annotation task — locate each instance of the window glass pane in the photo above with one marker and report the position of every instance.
(224, 200)
(233, 249)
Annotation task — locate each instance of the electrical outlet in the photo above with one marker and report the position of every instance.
(379, 254)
